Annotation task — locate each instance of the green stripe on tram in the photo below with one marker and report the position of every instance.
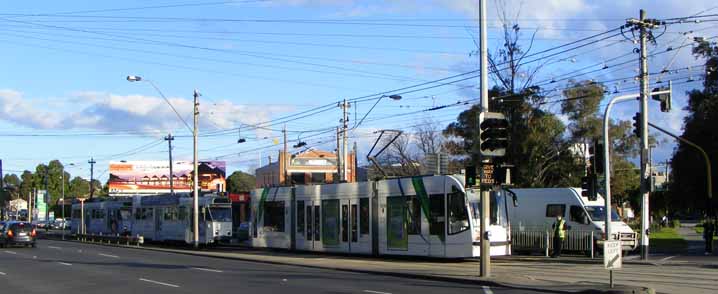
(260, 209)
(418, 183)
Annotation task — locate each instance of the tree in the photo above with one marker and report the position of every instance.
(79, 187)
(701, 128)
(239, 182)
(26, 186)
(12, 184)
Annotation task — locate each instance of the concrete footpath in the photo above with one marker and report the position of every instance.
(564, 275)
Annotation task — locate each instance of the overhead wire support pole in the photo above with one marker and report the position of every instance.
(169, 138)
(485, 266)
(195, 176)
(644, 25)
(92, 177)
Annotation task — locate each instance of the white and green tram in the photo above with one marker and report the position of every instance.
(431, 216)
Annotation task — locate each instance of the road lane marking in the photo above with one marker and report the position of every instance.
(159, 283)
(54, 247)
(207, 269)
(108, 255)
(667, 258)
(64, 263)
(487, 290)
(376, 292)
(3, 274)
(10, 252)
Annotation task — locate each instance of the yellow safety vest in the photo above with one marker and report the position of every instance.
(559, 229)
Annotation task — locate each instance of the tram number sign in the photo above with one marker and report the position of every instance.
(487, 175)
(612, 255)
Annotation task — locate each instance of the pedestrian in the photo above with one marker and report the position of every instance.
(708, 231)
(559, 234)
(664, 221)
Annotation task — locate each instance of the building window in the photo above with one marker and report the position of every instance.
(274, 216)
(319, 178)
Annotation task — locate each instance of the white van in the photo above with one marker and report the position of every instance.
(537, 210)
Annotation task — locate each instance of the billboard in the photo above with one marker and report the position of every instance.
(152, 177)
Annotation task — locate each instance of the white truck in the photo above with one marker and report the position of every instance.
(537, 210)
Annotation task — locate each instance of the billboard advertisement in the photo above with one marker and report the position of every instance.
(152, 177)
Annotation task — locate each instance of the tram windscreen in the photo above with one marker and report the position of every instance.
(458, 216)
(220, 214)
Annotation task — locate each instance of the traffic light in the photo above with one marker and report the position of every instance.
(493, 134)
(664, 96)
(596, 157)
(588, 187)
(470, 176)
(637, 124)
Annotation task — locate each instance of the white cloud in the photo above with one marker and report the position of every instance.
(112, 112)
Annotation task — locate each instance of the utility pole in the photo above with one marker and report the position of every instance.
(644, 26)
(46, 198)
(339, 158)
(345, 121)
(285, 157)
(169, 138)
(195, 176)
(485, 196)
(92, 179)
(29, 205)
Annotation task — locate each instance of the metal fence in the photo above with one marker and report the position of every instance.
(542, 241)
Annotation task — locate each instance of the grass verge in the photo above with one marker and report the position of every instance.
(667, 240)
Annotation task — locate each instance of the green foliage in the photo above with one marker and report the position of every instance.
(701, 128)
(667, 240)
(240, 182)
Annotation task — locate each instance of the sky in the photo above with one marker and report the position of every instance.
(261, 66)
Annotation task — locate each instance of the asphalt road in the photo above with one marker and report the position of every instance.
(68, 267)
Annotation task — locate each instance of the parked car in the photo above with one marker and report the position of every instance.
(17, 233)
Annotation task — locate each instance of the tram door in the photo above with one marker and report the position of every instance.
(158, 223)
(312, 232)
(346, 224)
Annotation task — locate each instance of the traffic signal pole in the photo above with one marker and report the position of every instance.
(485, 266)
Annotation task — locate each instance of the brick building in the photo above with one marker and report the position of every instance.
(307, 167)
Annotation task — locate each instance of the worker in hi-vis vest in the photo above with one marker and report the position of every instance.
(559, 234)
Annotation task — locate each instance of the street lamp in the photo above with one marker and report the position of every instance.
(392, 97)
(62, 183)
(194, 130)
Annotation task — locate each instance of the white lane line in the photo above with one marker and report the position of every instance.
(10, 252)
(3, 274)
(487, 290)
(64, 263)
(207, 269)
(667, 258)
(54, 247)
(376, 292)
(108, 255)
(159, 283)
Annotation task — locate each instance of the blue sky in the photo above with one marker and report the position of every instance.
(63, 93)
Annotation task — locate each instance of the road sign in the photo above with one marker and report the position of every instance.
(612, 255)
(487, 174)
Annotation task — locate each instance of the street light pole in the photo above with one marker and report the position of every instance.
(195, 183)
(169, 138)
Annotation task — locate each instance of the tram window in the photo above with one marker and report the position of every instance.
(170, 213)
(309, 222)
(458, 216)
(354, 222)
(553, 210)
(147, 213)
(274, 216)
(493, 210)
(414, 215)
(182, 213)
(345, 223)
(138, 213)
(317, 228)
(330, 222)
(438, 217)
(364, 216)
(300, 216)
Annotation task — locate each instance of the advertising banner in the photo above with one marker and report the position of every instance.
(41, 205)
(152, 177)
